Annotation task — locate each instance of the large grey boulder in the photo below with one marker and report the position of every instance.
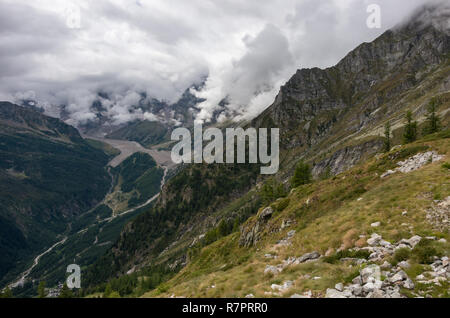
(370, 273)
(374, 240)
(399, 277)
(309, 257)
(333, 293)
(265, 214)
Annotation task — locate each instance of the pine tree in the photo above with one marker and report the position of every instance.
(432, 123)
(267, 193)
(41, 290)
(236, 224)
(302, 175)
(223, 228)
(387, 136)
(66, 292)
(410, 133)
(272, 190)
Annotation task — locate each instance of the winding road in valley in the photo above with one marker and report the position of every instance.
(25, 274)
(127, 149)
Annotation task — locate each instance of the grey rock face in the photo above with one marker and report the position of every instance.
(266, 214)
(346, 158)
(250, 234)
(311, 105)
(308, 257)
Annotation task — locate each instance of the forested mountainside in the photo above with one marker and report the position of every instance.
(136, 181)
(333, 119)
(188, 205)
(48, 176)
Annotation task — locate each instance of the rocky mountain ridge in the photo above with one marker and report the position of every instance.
(331, 118)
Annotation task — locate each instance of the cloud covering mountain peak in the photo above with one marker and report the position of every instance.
(64, 53)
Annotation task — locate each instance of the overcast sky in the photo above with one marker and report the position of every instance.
(246, 48)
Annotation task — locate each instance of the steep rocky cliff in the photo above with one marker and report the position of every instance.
(320, 109)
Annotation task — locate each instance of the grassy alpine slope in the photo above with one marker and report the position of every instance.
(329, 216)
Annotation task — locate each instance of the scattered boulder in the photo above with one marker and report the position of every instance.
(370, 273)
(372, 285)
(418, 161)
(282, 288)
(399, 277)
(414, 163)
(388, 173)
(408, 284)
(333, 293)
(308, 257)
(251, 232)
(265, 214)
(357, 280)
(374, 239)
(404, 265)
(368, 284)
(305, 295)
(439, 215)
(386, 265)
(274, 270)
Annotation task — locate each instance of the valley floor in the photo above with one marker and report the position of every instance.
(128, 148)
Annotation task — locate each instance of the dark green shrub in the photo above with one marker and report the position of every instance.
(333, 259)
(302, 175)
(424, 252)
(401, 255)
(282, 204)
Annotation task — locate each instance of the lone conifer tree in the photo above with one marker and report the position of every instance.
(432, 124)
(66, 292)
(41, 290)
(387, 136)
(302, 175)
(410, 134)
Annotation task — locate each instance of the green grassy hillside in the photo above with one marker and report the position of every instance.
(327, 216)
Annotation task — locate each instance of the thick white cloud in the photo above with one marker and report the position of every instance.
(249, 79)
(124, 47)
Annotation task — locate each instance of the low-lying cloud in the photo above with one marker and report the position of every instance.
(246, 49)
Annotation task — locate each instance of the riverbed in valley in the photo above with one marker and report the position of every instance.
(127, 149)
